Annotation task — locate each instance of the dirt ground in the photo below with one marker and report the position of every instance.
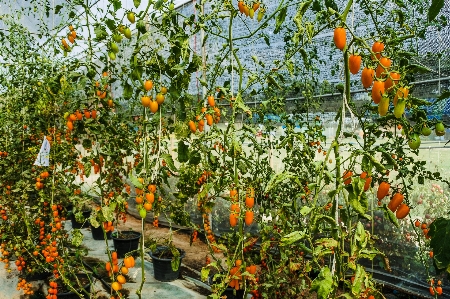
(195, 254)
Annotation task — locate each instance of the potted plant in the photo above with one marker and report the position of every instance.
(81, 210)
(166, 261)
(71, 286)
(125, 241)
(101, 226)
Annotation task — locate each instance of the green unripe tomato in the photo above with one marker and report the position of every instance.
(414, 141)
(131, 17)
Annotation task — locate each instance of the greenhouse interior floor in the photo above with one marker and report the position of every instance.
(181, 288)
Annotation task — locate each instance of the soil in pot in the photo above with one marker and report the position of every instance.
(97, 233)
(84, 224)
(125, 242)
(162, 263)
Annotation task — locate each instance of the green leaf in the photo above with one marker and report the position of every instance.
(194, 158)
(77, 237)
(240, 104)
(292, 238)
(117, 4)
(305, 210)
(357, 284)
(127, 90)
(100, 32)
(279, 178)
(87, 169)
(58, 9)
(416, 68)
(360, 235)
(183, 152)
(108, 213)
(134, 180)
(440, 242)
(435, 8)
(302, 8)
(271, 81)
(358, 202)
(323, 283)
(327, 242)
(444, 96)
(389, 215)
(136, 3)
(169, 160)
(111, 24)
(280, 19)
(205, 274)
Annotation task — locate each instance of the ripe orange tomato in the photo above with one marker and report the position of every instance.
(367, 77)
(377, 91)
(340, 38)
(354, 63)
(383, 190)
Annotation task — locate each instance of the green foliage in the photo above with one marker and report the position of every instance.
(323, 283)
(435, 8)
(440, 233)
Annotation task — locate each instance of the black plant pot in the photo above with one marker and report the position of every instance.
(85, 224)
(71, 295)
(125, 242)
(38, 276)
(97, 233)
(162, 267)
(229, 293)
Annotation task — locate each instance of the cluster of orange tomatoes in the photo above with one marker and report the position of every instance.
(396, 204)
(236, 275)
(204, 177)
(209, 233)
(3, 154)
(53, 290)
(382, 79)
(435, 289)
(71, 36)
(147, 100)
(42, 176)
(235, 208)
(77, 115)
(424, 227)
(3, 213)
(144, 207)
(210, 117)
(26, 287)
(97, 166)
(249, 10)
(128, 262)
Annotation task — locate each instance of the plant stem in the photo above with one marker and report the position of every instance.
(346, 10)
(89, 32)
(139, 291)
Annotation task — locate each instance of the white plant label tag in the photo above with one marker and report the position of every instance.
(44, 154)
